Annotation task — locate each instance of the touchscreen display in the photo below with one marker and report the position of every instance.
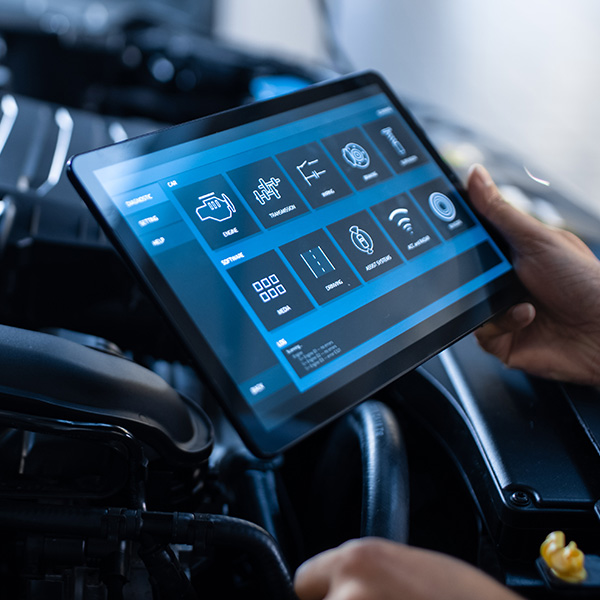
(305, 248)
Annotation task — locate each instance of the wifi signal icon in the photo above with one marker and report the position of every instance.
(400, 216)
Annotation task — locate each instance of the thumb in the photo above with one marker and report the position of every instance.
(517, 227)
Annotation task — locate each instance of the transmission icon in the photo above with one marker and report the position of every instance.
(356, 156)
(266, 189)
(361, 239)
(400, 216)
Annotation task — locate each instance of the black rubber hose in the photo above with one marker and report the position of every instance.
(385, 488)
(203, 531)
(361, 486)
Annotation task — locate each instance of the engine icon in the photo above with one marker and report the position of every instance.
(356, 156)
(361, 239)
(442, 207)
(214, 208)
(400, 215)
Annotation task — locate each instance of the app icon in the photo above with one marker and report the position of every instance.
(361, 239)
(442, 207)
(269, 288)
(401, 217)
(406, 225)
(266, 189)
(396, 143)
(320, 266)
(317, 261)
(365, 245)
(308, 170)
(216, 209)
(356, 156)
(314, 174)
(268, 192)
(390, 136)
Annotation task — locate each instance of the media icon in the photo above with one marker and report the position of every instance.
(307, 165)
(442, 207)
(214, 208)
(361, 239)
(390, 136)
(269, 288)
(267, 189)
(317, 261)
(356, 156)
(401, 218)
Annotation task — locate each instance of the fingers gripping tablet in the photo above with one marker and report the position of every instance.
(308, 250)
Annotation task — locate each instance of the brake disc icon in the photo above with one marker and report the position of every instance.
(361, 239)
(356, 156)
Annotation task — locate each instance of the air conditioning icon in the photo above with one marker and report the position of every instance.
(401, 218)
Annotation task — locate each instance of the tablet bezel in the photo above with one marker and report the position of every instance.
(261, 441)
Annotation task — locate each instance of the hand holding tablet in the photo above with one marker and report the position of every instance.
(308, 250)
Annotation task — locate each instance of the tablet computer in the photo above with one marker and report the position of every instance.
(308, 250)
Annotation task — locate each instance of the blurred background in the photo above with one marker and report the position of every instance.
(524, 73)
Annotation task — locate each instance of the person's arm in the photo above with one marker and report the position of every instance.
(377, 569)
(557, 333)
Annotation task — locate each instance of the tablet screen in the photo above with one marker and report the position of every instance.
(307, 249)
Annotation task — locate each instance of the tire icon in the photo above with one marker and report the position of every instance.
(442, 207)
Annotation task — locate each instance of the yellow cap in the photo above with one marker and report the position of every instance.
(566, 562)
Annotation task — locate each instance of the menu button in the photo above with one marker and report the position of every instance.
(148, 221)
(138, 200)
(257, 389)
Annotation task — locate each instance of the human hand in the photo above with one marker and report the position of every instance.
(557, 334)
(377, 569)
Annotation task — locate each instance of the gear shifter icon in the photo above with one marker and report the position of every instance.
(216, 209)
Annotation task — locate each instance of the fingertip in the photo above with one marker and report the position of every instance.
(482, 189)
(478, 174)
(517, 227)
(311, 579)
(302, 572)
(523, 314)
